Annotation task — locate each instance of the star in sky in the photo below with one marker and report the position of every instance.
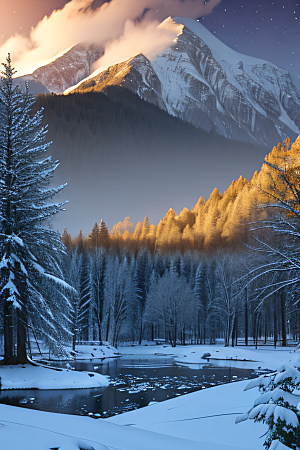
(266, 29)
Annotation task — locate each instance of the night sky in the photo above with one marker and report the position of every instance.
(267, 29)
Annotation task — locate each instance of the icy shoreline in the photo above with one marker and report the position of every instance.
(38, 376)
(203, 420)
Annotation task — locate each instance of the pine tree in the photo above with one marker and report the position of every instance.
(145, 231)
(67, 239)
(278, 407)
(96, 287)
(29, 249)
(94, 236)
(142, 276)
(117, 294)
(104, 238)
(202, 300)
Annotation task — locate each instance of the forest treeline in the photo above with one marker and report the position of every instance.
(156, 284)
(223, 221)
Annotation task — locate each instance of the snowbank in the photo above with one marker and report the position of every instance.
(203, 420)
(241, 357)
(36, 430)
(206, 416)
(28, 376)
(82, 351)
(90, 352)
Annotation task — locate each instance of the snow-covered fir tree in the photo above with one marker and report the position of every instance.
(31, 280)
(278, 407)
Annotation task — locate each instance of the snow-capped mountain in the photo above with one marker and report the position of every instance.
(64, 71)
(197, 79)
(202, 81)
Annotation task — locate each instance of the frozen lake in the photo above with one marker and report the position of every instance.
(136, 381)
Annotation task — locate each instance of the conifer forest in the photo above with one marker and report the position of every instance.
(225, 269)
(217, 271)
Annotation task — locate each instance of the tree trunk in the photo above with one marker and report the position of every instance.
(246, 318)
(141, 333)
(266, 334)
(74, 340)
(8, 333)
(28, 343)
(275, 329)
(21, 338)
(107, 326)
(233, 332)
(99, 330)
(283, 324)
(256, 321)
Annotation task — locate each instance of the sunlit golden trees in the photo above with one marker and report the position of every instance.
(145, 231)
(94, 236)
(220, 222)
(212, 214)
(104, 239)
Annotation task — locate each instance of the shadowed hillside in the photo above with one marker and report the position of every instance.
(122, 156)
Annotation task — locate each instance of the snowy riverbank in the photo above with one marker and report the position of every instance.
(203, 420)
(242, 357)
(38, 376)
(42, 376)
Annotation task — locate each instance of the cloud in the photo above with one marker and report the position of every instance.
(148, 38)
(114, 24)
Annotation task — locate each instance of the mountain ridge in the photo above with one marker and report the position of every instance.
(240, 97)
(197, 79)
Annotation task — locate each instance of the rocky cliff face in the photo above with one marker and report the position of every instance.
(214, 87)
(202, 81)
(65, 71)
(136, 74)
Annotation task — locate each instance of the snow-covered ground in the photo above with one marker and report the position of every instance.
(207, 417)
(90, 352)
(82, 351)
(203, 420)
(27, 376)
(41, 376)
(241, 357)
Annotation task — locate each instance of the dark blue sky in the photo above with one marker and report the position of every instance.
(267, 29)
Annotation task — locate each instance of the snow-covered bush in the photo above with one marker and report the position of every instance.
(278, 407)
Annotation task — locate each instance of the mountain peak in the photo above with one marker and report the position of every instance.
(198, 79)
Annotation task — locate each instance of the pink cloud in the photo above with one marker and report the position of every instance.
(113, 22)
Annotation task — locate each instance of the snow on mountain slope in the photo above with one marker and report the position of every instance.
(136, 74)
(239, 95)
(202, 81)
(64, 71)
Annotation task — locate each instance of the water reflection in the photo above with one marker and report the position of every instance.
(135, 382)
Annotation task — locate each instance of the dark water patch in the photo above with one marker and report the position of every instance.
(135, 382)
